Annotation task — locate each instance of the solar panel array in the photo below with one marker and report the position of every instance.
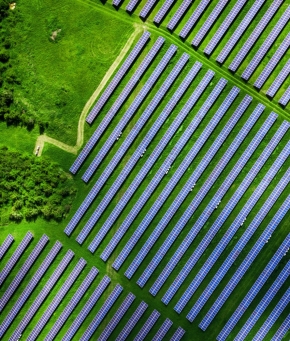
(147, 8)
(15, 257)
(147, 326)
(116, 2)
(118, 77)
(286, 97)
(102, 313)
(239, 31)
(209, 22)
(117, 105)
(265, 274)
(274, 315)
(194, 18)
(214, 202)
(258, 30)
(117, 317)
(263, 304)
(178, 14)
(220, 32)
(23, 271)
(178, 334)
(163, 10)
(279, 80)
(283, 329)
(208, 211)
(6, 245)
(131, 5)
(273, 197)
(175, 179)
(260, 54)
(184, 192)
(277, 56)
(162, 331)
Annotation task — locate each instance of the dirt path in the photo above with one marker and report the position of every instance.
(82, 120)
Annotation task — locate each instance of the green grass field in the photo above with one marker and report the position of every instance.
(69, 71)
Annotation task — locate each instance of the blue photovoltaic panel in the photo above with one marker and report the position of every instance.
(116, 2)
(178, 334)
(130, 112)
(239, 246)
(29, 288)
(117, 317)
(283, 330)
(266, 44)
(151, 159)
(255, 289)
(209, 22)
(118, 77)
(220, 32)
(286, 97)
(50, 310)
(178, 14)
(163, 10)
(131, 5)
(15, 257)
(5, 245)
(75, 325)
(125, 146)
(196, 15)
(205, 135)
(23, 271)
(147, 326)
(258, 30)
(276, 312)
(102, 313)
(257, 313)
(41, 297)
(162, 331)
(66, 313)
(132, 322)
(279, 80)
(277, 56)
(215, 201)
(260, 189)
(117, 105)
(147, 8)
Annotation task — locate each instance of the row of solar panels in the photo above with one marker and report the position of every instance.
(30, 308)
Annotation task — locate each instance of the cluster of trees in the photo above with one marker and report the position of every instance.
(11, 112)
(33, 187)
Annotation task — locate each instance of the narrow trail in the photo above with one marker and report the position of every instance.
(42, 139)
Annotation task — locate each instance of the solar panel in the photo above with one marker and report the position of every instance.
(258, 192)
(196, 15)
(283, 330)
(277, 56)
(117, 105)
(50, 310)
(29, 288)
(151, 159)
(23, 271)
(266, 45)
(256, 287)
(163, 10)
(147, 8)
(129, 61)
(178, 14)
(258, 30)
(117, 317)
(102, 313)
(263, 304)
(273, 197)
(6, 245)
(15, 257)
(162, 331)
(286, 97)
(279, 80)
(132, 322)
(178, 334)
(209, 22)
(220, 32)
(116, 2)
(66, 313)
(131, 5)
(148, 325)
(125, 146)
(75, 325)
(274, 315)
